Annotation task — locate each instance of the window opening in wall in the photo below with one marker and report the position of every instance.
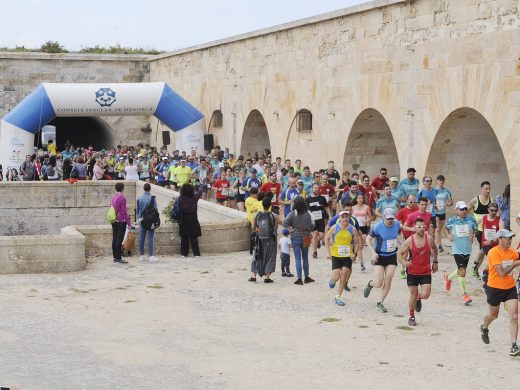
(217, 120)
(304, 121)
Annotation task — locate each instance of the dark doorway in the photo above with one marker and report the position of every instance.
(82, 131)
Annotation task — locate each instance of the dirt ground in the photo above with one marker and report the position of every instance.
(198, 324)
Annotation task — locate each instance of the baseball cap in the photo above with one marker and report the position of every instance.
(165, 158)
(410, 170)
(461, 205)
(253, 170)
(299, 182)
(285, 232)
(343, 212)
(183, 160)
(394, 178)
(389, 213)
(504, 233)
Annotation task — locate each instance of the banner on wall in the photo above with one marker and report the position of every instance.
(49, 100)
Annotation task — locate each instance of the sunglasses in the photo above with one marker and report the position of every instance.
(427, 181)
(464, 209)
(493, 210)
(411, 202)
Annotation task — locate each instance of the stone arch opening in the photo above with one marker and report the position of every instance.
(467, 152)
(371, 146)
(255, 137)
(216, 127)
(83, 131)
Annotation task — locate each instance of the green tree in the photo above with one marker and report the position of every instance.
(52, 47)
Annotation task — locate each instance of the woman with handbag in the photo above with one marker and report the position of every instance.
(300, 224)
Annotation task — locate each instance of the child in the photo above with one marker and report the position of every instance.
(285, 253)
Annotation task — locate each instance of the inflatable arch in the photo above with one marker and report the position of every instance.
(50, 100)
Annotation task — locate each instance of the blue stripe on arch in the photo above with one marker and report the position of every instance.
(33, 112)
(175, 112)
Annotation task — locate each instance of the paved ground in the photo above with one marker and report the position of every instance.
(198, 324)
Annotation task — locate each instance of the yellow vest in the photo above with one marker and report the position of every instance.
(343, 245)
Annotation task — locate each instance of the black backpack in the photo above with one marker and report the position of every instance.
(265, 224)
(151, 219)
(175, 213)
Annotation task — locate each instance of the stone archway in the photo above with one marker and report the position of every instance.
(466, 151)
(255, 137)
(371, 146)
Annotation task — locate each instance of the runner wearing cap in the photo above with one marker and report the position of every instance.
(416, 254)
(395, 190)
(183, 173)
(340, 243)
(479, 206)
(443, 199)
(460, 229)
(501, 287)
(161, 172)
(299, 187)
(382, 243)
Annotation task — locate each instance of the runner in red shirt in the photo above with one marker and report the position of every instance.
(421, 213)
(328, 191)
(380, 181)
(275, 188)
(369, 191)
(221, 187)
(415, 255)
(405, 212)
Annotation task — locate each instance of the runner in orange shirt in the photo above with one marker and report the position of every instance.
(502, 261)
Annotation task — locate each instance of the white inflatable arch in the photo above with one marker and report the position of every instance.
(50, 100)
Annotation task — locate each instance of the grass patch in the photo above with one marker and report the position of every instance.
(79, 291)
(404, 327)
(330, 319)
(120, 288)
(379, 323)
(435, 334)
(363, 326)
(384, 363)
(204, 272)
(130, 301)
(155, 286)
(398, 315)
(440, 365)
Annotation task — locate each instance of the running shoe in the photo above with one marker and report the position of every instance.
(368, 288)
(339, 301)
(347, 288)
(418, 306)
(515, 351)
(381, 307)
(289, 275)
(299, 282)
(474, 272)
(411, 321)
(332, 283)
(284, 274)
(447, 282)
(363, 268)
(142, 258)
(467, 299)
(484, 334)
(402, 274)
(308, 280)
(153, 259)
(441, 249)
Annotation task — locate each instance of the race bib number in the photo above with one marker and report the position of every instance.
(429, 208)
(362, 221)
(327, 197)
(165, 174)
(316, 215)
(274, 198)
(490, 234)
(462, 230)
(507, 263)
(440, 204)
(343, 250)
(224, 191)
(391, 245)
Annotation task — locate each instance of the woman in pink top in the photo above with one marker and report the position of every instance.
(363, 215)
(122, 221)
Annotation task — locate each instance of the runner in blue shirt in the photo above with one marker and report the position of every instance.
(443, 199)
(288, 195)
(387, 200)
(410, 185)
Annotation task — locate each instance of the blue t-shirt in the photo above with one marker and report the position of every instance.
(432, 197)
(307, 183)
(287, 195)
(460, 229)
(385, 238)
(161, 167)
(397, 192)
(443, 195)
(390, 202)
(251, 182)
(408, 187)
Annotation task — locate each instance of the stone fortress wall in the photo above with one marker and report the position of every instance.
(433, 84)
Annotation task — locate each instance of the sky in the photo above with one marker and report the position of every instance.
(164, 25)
